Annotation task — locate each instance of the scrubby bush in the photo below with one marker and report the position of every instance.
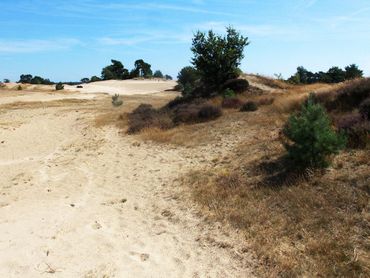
(231, 102)
(209, 112)
(145, 116)
(311, 138)
(353, 94)
(365, 109)
(228, 93)
(117, 100)
(19, 88)
(59, 86)
(158, 74)
(265, 101)
(356, 128)
(237, 85)
(249, 106)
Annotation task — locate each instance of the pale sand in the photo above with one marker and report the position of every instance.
(78, 201)
(125, 87)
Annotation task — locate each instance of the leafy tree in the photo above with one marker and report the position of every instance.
(85, 80)
(168, 77)
(25, 78)
(6, 80)
(115, 71)
(336, 75)
(158, 74)
(188, 75)
(141, 69)
(352, 72)
(217, 57)
(311, 136)
(95, 79)
(37, 80)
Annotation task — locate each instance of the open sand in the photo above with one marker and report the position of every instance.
(81, 201)
(125, 87)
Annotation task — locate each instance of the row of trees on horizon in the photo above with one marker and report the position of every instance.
(114, 71)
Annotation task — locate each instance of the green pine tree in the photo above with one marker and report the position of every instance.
(312, 139)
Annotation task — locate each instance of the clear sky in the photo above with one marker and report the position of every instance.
(72, 39)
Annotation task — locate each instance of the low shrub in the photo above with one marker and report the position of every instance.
(311, 138)
(19, 88)
(231, 102)
(186, 113)
(265, 101)
(116, 100)
(79, 86)
(356, 128)
(209, 112)
(145, 116)
(59, 86)
(249, 106)
(365, 109)
(237, 85)
(352, 94)
(228, 93)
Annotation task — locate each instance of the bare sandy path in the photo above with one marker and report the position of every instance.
(77, 201)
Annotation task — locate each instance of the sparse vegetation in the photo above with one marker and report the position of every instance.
(249, 106)
(59, 86)
(117, 100)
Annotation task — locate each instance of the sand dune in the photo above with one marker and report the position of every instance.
(124, 87)
(79, 201)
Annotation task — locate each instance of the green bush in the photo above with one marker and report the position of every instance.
(228, 93)
(249, 106)
(59, 86)
(237, 85)
(311, 138)
(116, 100)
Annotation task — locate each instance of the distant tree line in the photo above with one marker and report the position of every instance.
(28, 78)
(117, 71)
(333, 75)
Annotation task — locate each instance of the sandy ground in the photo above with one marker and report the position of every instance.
(125, 87)
(79, 201)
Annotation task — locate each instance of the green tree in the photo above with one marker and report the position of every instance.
(216, 57)
(25, 78)
(336, 75)
(115, 71)
(158, 74)
(142, 69)
(352, 72)
(312, 139)
(168, 77)
(85, 80)
(6, 80)
(95, 79)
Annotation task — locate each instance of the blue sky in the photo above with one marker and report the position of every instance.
(69, 40)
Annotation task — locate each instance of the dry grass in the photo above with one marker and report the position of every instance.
(315, 228)
(43, 104)
(272, 82)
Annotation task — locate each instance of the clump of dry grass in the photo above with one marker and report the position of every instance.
(311, 228)
(272, 82)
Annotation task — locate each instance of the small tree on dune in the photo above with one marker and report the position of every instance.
(311, 138)
(217, 57)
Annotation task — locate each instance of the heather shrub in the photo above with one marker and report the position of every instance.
(353, 94)
(237, 85)
(228, 93)
(117, 100)
(209, 112)
(186, 113)
(59, 86)
(265, 101)
(365, 109)
(145, 116)
(231, 102)
(356, 128)
(311, 138)
(249, 106)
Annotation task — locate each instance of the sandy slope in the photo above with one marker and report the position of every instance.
(125, 87)
(77, 201)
